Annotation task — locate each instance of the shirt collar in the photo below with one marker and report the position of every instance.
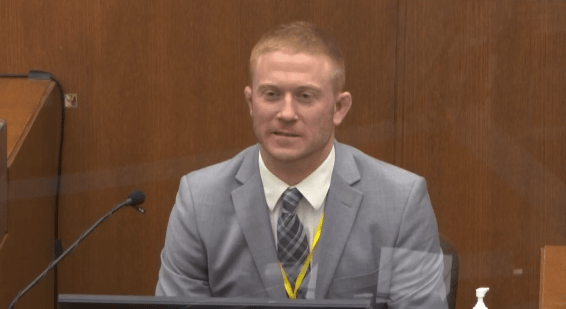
(314, 187)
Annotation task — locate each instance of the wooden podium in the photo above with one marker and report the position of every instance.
(29, 153)
(553, 277)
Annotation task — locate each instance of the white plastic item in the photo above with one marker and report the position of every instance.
(480, 294)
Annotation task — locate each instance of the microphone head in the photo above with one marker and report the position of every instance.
(137, 197)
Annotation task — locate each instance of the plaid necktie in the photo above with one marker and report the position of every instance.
(292, 243)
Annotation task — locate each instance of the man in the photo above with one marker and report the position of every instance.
(300, 214)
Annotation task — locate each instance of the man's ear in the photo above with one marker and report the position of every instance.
(343, 104)
(248, 96)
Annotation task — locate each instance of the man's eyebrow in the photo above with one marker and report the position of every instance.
(265, 86)
(309, 87)
(300, 88)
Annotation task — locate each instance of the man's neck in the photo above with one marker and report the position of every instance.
(293, 172)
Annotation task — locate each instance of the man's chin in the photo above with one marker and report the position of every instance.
(285, 157)
(282, 155)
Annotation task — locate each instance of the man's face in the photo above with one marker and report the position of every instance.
(294, 106)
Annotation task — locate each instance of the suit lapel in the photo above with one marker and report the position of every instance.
(253, 215)
(342, 205)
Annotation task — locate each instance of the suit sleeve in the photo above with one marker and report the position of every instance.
(184, 270)
(418, 264)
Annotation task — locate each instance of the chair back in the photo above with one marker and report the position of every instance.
(451, 269)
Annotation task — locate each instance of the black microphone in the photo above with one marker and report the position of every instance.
(137, 197)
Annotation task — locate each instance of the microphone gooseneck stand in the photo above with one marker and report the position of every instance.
(135, 198)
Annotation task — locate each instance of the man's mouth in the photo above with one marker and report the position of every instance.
(285, 134)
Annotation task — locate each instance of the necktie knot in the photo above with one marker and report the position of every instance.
(291, 198)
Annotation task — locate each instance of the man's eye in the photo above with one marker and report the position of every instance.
(306, 96)
(270, 94)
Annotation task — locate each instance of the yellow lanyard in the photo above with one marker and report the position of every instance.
(293, 293)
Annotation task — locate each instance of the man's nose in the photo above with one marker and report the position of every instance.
(287, 112)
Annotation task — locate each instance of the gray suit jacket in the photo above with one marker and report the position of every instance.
(379, 234)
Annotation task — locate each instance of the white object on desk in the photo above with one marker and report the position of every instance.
(480, 294)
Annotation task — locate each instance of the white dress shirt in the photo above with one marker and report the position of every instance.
(314, 189)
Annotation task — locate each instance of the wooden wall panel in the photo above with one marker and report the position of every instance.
(3, 187)
(3, 181)
(33, 110)
(160, 93)
(480, 114)
(465, 93)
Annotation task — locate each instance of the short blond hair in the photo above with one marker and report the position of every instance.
(301, 37)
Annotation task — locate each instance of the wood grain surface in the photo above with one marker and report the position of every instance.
(481, 115)
(552, 273)
(34, 112)
(3, 182)
(160, 93)
(466, 93)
